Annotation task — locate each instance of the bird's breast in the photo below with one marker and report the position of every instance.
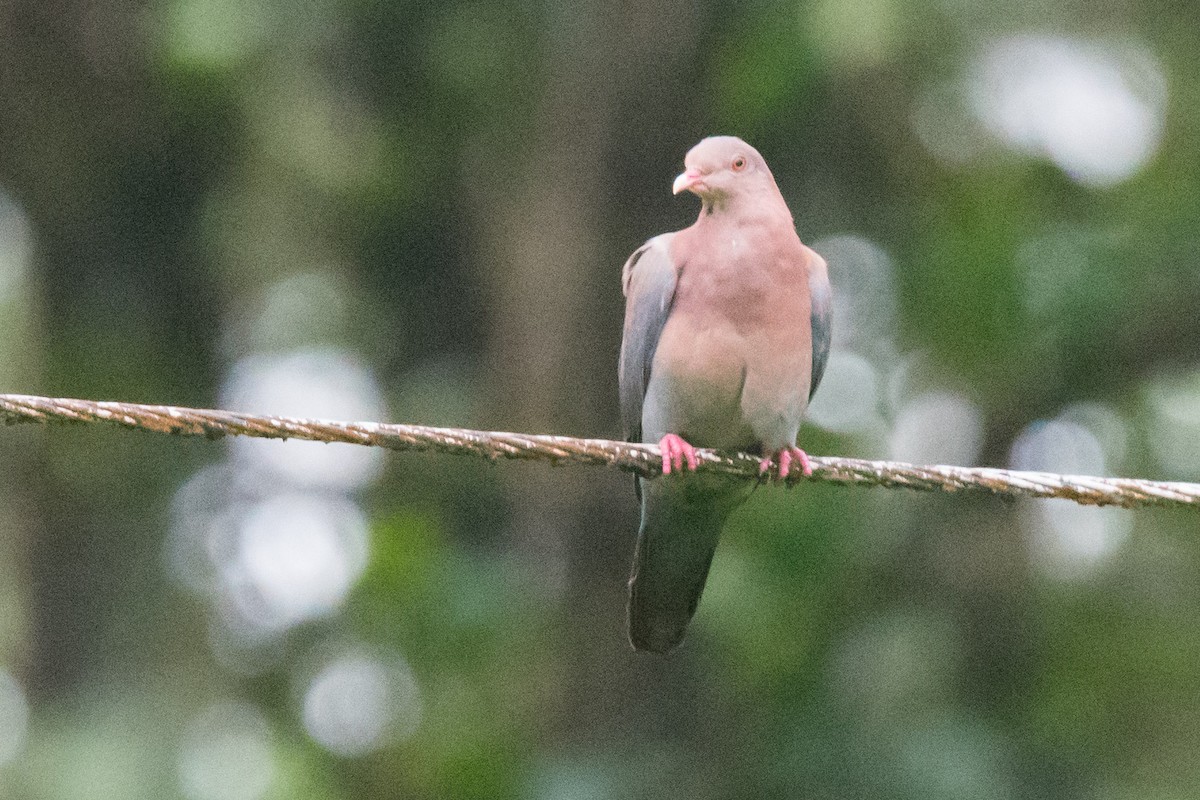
(735, 355)
(743, 286)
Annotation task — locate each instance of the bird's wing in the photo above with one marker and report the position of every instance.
(822, 318)
(648, 280)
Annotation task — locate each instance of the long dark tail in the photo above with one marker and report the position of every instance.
(681, 524)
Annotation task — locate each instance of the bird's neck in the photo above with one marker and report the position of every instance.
(725, 210)
(714, 205)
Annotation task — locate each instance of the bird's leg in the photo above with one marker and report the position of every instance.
(786, 456)
(675, 451)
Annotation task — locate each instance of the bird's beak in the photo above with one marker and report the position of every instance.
(689, 180)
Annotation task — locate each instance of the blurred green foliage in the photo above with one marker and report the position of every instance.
(447, 192)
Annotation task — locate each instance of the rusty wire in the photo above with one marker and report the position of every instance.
(640, 459)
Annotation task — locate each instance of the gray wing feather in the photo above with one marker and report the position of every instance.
(648, 280)
(822, 319)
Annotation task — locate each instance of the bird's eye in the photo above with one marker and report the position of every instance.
(739, 164)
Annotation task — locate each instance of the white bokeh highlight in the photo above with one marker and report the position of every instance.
(314, 384)
(849, 399)
(270, 558)
(298, 557)
(1058, 445)
(226, 754)
(16, 247)
(14, 718)
(1106, 424)
(1173, 402)
(864, 294)
(937, 428)
(360, 702)
(1096, 109)
(274, 536)
(1071, 541)
(295, 311)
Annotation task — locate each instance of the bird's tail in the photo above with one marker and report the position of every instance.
(682, 519)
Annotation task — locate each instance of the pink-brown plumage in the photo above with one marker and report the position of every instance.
(726, 328)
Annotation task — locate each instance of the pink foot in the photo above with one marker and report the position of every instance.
(785, 456)
(674, 452)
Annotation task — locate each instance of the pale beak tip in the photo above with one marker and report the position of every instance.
(685, 181)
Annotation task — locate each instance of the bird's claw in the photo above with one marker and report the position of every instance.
(675, 451)
(785, 458)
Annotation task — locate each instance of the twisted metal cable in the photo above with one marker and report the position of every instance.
(640, 459)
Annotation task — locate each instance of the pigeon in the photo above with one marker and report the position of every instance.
(726, 336)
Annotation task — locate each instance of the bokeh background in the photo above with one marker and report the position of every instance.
(418, 212)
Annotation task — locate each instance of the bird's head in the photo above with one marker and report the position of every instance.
(722, 168)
